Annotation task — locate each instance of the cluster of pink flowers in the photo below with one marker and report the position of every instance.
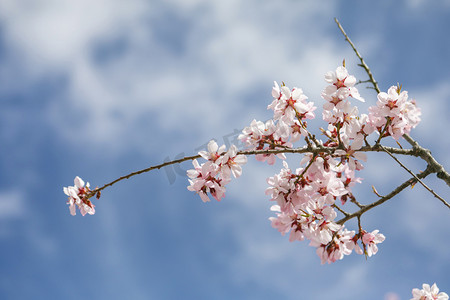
(394, 113)
(428, 293)
(305, 208)
(291, 110)
(78, 197)
(212, 176)
(342, 86)
(307, 198)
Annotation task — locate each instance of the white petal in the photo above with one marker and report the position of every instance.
(286, 91)
(341, 72)
(275, 208)
(350, 81)
(330, 77)
(212, 146)
(72, 209)
(296, 93)
(78, 182)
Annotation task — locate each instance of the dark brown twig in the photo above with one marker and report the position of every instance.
(400, 188)
(305, 149)
(425, 154)
(363, 63)
(420, 181)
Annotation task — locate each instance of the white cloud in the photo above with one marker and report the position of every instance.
(419, 4)
(228, 49)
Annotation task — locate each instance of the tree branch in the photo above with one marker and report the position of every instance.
(425, 154)
(400, 188)
(305, 149)
(95, 191)
(420, 181)
(363, 63)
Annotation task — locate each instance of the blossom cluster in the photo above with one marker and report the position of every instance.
(308, 197)
(428, 293)
(212, 176)
(291, 110)
(345, 126)
(394, 113)
(305, 207)
(79, 197)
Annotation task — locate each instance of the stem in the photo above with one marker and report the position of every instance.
(95, 191)
(306, 149)
(363, 63)
(425, 154)
(346, 214)
(420, 181)
(400, 188)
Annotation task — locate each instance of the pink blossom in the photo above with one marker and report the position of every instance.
(271, 135)
(428, 293)
(347, 176)
(214, 152)
(297, 130)
(370, 241)
(290, 104)
(203, 181)
(283, 222)
(329, 187)
(336, 249)
(230, 162)
(212, 176)
(353, 157)
(78, 197)
(342, 86)
(394, 113)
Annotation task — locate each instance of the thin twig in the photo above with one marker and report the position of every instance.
(363, 63)
(354, 201)
(305, 149)
(420, 181)
(425, 153)
(341, 210)
(143, 171)
(400, 188)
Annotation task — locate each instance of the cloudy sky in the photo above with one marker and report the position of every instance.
(102, 88)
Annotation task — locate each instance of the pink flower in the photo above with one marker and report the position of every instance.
(212, 176)
(78, 197)
(290, 104)
(213, 152)
(283, 222)
(370, 240)
(428, 293)
(259, 136)
(395, 111)
(329, 187)
(297, 131)
(353, 157)
(203, 181)
(341, 245)
(342, 86)
(230, 162)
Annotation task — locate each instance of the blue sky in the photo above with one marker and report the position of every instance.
(102, 88)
